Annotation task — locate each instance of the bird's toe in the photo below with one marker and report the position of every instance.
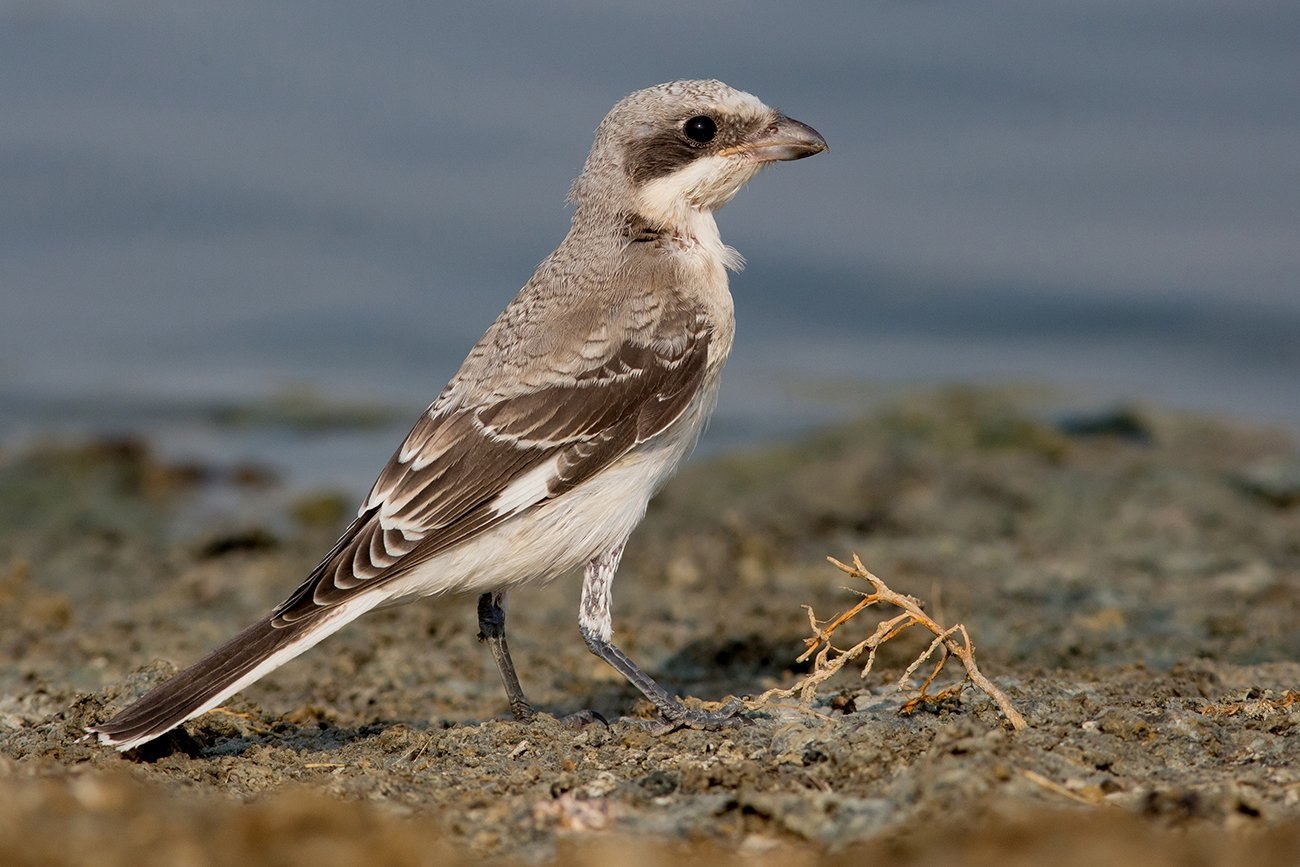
(581, 719)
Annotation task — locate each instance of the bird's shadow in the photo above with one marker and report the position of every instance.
(203, 743)
(733, 663)
(721, 664)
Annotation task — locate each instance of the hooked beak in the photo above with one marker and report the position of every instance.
(785, 139)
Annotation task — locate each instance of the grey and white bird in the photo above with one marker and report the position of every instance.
(578, 403)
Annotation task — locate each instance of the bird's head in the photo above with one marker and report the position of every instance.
(669, 152)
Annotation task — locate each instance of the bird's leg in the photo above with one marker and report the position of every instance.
(595, 622)
(492, 629)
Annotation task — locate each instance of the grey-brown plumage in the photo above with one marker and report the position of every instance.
(542, 452)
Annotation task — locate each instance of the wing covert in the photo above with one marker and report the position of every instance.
(461, 472)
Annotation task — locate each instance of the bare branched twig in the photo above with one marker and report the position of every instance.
(828, 659)
(1256, 708)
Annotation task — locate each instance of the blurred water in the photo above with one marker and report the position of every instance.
(204, 201)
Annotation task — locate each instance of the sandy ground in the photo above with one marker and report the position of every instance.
(1132, 580)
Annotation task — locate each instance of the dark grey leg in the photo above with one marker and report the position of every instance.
(596, 625)
(492, 629)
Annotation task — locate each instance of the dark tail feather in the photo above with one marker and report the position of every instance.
(243, 659)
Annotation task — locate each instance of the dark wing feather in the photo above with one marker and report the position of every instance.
(439, 489)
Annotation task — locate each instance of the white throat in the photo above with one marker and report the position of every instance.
(681, 204)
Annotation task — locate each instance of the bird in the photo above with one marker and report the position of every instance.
(578, 403)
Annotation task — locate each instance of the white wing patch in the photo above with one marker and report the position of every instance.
(530, 488)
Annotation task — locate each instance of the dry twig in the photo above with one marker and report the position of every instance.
(1087, 798)
(1255, 708)
(828, 659)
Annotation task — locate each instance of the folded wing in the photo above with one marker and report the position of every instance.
(463, 470)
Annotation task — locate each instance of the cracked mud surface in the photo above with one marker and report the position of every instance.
(1132, 581)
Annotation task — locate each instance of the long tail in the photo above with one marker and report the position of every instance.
(258, 650)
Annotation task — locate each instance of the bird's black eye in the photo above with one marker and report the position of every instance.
(700, 128)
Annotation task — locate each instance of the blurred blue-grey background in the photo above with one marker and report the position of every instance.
(215, 201)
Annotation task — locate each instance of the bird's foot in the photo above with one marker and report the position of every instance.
(581, 719)
(577, 720)
(726, 717)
